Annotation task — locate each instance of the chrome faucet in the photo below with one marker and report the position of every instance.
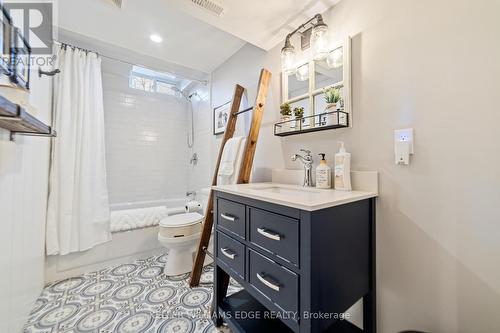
(194, 159)
(307, 160)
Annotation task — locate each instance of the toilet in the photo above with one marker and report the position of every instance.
(180, 234)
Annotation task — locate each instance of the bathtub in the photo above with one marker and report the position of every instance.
(145, 214)
(125, 246)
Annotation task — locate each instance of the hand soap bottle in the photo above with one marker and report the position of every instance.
(323, 174)
(342, 169)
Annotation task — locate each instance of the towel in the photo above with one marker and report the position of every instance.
(233, 178)
(229, 156)
(128, 219)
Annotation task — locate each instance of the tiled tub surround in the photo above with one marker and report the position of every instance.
(146, 150)
(134, 297)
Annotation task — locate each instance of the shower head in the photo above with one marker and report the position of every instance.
(183, 94)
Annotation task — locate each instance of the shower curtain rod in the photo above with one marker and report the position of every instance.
(204, 82)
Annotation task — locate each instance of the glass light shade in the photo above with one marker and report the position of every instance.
(335, 58)
(319, 42)
(288, 60)
(302, 73)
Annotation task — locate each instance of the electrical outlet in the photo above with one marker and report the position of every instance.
(405, 135)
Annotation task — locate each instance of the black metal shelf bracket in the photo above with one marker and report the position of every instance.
(320, 122)
(13, 135)
(16, 119)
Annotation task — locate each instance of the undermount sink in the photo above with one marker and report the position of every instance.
(286, 190)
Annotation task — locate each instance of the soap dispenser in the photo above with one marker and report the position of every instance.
(343, 169)
(323, 174)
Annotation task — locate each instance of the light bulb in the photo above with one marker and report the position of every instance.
(288, 58)
(156, 38)
(302, 73)
(335, 58)
(319, 41)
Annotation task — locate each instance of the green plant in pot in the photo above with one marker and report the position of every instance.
(333, 100)
(286, 115)
(285, 111)
(299, 117)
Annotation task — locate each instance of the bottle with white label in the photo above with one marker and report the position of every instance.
(323, 174)
(342, 169)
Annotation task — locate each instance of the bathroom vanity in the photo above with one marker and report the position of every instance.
(303, 257)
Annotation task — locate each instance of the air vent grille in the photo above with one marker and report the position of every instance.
(211, 6)
(118, 3)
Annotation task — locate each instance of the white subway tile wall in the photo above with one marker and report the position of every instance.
(200, 175)
(146, 149)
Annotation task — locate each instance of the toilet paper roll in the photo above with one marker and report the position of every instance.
(176, 210)
(193, 206)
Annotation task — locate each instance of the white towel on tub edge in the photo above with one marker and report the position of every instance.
(128, 219)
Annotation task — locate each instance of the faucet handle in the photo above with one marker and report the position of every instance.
(308, 152)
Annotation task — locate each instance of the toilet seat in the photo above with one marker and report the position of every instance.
(181, 220)
(181, 225)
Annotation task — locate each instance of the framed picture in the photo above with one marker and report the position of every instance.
(21, 54)
(5, 41)
(221, 117)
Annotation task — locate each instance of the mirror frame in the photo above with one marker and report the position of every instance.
(312, 91)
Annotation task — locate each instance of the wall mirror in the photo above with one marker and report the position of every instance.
(306, 86)
(298, 82)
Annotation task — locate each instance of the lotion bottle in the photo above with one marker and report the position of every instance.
(323, 174)
(342, 169)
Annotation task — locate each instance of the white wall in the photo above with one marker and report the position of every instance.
(24, 167)
(146, 149)
(433, 66)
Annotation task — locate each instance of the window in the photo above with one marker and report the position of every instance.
(141, 83)
(305, 88)
(155, 82)
(165, 88)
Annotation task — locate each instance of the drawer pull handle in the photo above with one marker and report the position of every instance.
(268, 234)
(228, 217)
(267, 283)
(227, 254)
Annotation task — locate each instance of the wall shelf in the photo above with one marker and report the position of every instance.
(18, 121)
(320, 122)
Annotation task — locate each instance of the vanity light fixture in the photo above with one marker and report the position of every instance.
(156, 38)
(318, 42)
(288, 57)
(302, 73)
(319, 39)
(335, 58)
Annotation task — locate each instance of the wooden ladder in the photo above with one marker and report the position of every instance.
(246, 163)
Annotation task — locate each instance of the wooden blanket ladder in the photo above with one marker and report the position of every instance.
(246, 163)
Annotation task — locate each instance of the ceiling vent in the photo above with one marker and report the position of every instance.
(210, 5)
(118, 3)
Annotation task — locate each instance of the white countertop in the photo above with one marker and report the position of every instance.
(296, 196)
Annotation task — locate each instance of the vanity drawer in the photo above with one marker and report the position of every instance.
(275, 233)
(274, 281)
(231, 216)
(232, 253)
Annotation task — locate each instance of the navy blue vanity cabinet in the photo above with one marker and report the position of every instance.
(299, 269)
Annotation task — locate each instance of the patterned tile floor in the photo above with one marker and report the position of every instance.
(133, 297)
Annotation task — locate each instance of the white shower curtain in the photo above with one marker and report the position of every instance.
(78, 215)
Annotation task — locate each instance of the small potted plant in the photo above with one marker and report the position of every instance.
(299, 115)
(333, 101)
(286, 115)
